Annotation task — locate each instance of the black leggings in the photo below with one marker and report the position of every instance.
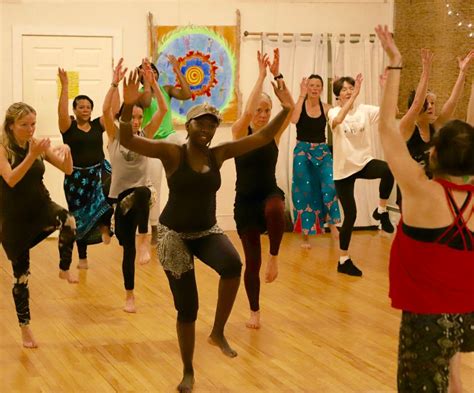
(21, 264)
(375, 169)
(214, 250)
(126, 226)
(274, 213)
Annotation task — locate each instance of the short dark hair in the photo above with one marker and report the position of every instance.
(454, 148)
(337, 85)
(82, 97)
(316, 76)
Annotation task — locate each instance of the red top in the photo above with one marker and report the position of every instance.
(434, 277)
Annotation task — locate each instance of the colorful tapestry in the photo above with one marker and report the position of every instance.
(207, 57)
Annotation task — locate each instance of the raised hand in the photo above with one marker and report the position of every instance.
(62, 75)
(274, 67)
(130, 88)
(358, 84)
(262, 64)
(39, 146)
(119, 73)
(283, 94)
(304, 87)
(388, 45)
(426, 59)
(174, 63)
(464, 62)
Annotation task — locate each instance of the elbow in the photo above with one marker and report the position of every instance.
(10, 182)
(68, 170)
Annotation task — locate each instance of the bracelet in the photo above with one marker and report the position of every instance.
(114, 84)
(394, 67)
(302, 97)
(279, 76)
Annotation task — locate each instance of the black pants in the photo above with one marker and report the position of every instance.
(214, 250)
(126, 226)
(375, 169)
(21, 264)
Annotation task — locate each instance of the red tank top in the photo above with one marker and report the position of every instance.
(434, 277)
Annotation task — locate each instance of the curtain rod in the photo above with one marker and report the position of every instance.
(261, 33)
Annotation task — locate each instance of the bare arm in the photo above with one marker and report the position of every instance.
(239, 128)
(13, 176)
(407, 123)
(158, 116)
(450, 105)
(470, 107)
(145, 97)
(112, 96)
(60, 157)
(265, 135)
(406, 171)
(299, 104)
(168, 153)
(348, 105)
(184, 93)
(64, 120)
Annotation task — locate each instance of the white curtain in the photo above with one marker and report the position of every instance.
(349, 59)
(299, 57)
(303, 56)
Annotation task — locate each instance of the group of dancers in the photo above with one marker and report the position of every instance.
(431, 267)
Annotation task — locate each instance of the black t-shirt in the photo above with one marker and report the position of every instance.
(86, 147)
(311, 129)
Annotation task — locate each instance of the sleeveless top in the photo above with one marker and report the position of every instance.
(191, 205)
(311, 129)
(86, 147)
(432, 270)
(256, 170)
(22, 206)
(166, 126)
(419, 149)
(130, 169)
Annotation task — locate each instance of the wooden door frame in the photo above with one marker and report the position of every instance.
(65, 31)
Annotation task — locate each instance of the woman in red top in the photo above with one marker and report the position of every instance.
(432, 256)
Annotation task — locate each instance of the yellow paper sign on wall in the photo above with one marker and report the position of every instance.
(73, 78)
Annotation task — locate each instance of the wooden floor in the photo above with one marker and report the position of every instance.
(322, 331)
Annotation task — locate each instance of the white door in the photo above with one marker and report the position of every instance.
(90, 57)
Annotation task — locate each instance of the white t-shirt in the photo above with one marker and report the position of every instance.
(351, 139)
(129, 169)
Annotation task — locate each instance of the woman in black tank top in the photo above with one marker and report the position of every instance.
(188, 222)
(313, 191)
(259, 205)
(27, 213)
(86, 189)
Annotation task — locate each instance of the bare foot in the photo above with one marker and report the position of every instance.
(83, 264)
(106, 237)
(187, 383)
(306, 245)
(66, 275)
(27, 337)
(222, 343)
(272, 269)
(254, 320)
(143, 249)
(130, 304)
(334, 232)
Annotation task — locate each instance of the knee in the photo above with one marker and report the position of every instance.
(232, 268)
(349, 219)
(274, 207)
(188, 313)
(142, 194)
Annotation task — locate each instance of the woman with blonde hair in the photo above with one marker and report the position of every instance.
(27, 213)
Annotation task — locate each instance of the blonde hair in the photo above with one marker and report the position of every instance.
(15, 112)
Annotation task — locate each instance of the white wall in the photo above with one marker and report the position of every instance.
(130, 16)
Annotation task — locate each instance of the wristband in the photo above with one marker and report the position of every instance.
(279, 76)
(114, 84)
(394, 67)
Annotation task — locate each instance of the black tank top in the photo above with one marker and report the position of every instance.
(191, 205)
(256, 170)
(419, 149)
(86, 147)
(311, 129)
